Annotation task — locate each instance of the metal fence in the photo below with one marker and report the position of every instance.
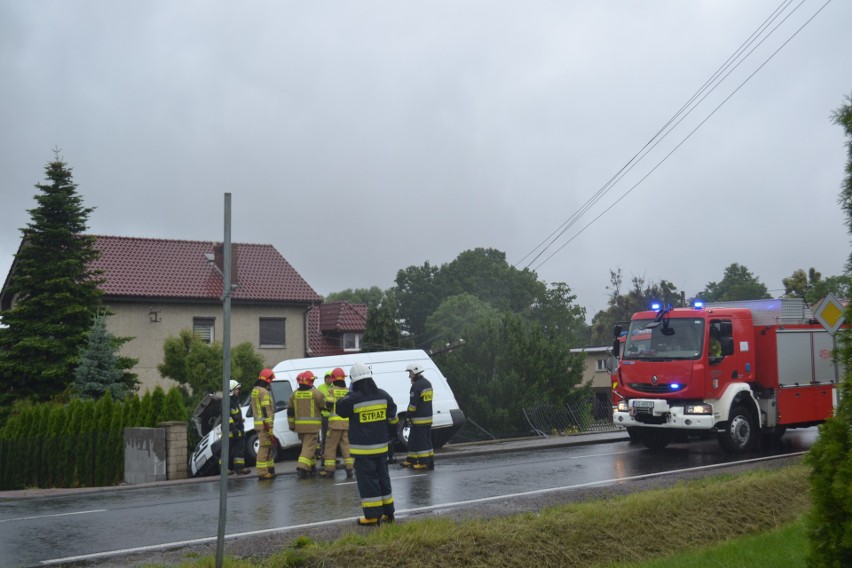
(590, 415)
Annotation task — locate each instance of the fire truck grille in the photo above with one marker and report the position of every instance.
(654, 389)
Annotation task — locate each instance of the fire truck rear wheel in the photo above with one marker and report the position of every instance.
(741, 433)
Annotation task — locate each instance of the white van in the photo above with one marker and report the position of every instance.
(389, 373)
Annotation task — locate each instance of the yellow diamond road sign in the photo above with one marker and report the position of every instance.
(830, 314)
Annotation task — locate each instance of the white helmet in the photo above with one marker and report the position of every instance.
(360, 371)
(414, 368)
(233, 385)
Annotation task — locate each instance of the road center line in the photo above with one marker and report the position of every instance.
(50, 516)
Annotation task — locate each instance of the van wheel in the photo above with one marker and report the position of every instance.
(654, 439)
(741, 433)
(402, 433)
(252, 445)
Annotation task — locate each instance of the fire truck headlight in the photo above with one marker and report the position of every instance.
(698, 409)
(622, 406)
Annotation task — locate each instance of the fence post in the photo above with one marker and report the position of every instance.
(176, 449)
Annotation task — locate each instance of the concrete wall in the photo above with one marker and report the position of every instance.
(144, 455)
(133, 319)
(155, 454)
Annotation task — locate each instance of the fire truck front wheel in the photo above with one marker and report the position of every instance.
(741, 433)
(654, 439)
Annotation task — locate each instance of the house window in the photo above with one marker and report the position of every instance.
(352, 341)
(203, 329)
(272, 332)
(601, 365)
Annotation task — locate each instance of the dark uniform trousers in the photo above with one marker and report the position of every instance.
(374, 485)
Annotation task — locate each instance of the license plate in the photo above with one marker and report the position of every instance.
(643, 404)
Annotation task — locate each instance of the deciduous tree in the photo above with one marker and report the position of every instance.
(738, 284)
(830, 523)
(197, 365)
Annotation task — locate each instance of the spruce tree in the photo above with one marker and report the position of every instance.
(55, 293)
(101, 370)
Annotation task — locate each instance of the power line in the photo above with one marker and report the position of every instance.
(688, 136)
(691, 104)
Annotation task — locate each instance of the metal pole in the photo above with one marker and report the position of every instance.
(226, 379)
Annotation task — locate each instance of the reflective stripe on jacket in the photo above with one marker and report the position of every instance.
(336, 421)
(262, 408)
(420, 404)
(304, 411)
(370, 417)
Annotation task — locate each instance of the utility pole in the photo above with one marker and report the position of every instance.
(226, 379)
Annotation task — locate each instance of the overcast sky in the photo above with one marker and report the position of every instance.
(363, 137)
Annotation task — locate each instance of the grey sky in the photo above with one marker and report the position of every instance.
(363, 137)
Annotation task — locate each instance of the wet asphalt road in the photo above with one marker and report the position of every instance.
(101, 528)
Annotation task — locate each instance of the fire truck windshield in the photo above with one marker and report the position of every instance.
(673, 338)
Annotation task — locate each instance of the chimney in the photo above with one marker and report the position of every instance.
(219, 260)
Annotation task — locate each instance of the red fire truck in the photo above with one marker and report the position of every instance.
(737, 371)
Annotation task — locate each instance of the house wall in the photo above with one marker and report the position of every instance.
(599, 379)
(133, 319)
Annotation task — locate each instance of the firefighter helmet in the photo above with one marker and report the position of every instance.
(267, 375)
(360, 371)
(305, 378)
(415, 368)
(338, 374)
(233, 385)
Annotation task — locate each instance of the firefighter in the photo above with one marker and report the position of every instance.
(372, 415)
(338, 429)
(325, 388)
(236, 434)
(420, 452)
(304, 417)
(263, 410)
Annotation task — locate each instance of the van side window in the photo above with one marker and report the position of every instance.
(281, 391)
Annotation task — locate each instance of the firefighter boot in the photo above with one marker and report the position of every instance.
(350, 473)
(267, 475)
(302, 473)
(365, 522)
(324, 473)
(387, 519)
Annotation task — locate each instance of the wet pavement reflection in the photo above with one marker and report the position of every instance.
(34, 530)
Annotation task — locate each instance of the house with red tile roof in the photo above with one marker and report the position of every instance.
(157, 287)
(336, 328)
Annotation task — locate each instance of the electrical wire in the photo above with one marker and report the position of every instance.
(710, 85)
(688, 136)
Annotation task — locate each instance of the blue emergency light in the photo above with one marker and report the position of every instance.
(698, 304)
(656, 306)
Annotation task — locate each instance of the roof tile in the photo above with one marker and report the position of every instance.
(179, 269)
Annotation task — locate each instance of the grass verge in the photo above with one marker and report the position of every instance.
(640, 527)
(786, 546)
